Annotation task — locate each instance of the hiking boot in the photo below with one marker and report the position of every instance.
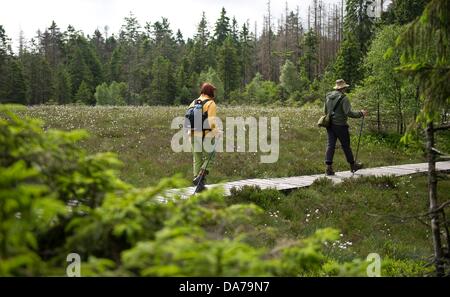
(356, 166)
(329, 170)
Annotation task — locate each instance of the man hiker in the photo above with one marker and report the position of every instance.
(206, 102)
(338, 129)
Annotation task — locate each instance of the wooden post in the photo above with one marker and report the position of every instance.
(432, 195)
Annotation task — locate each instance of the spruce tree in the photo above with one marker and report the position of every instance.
(161, 78)
(84, 95)
(309, 59)
(358, 32)
(222, 29)
(290, 78)
(62, 86)
(228, 66)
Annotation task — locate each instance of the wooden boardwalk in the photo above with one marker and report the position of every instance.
(289, 183)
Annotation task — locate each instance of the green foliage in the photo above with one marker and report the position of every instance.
(404, 11)
(114, 94)
(27, 209)
(392, 98)
(424, 47)
(46, 180)
(402, 268)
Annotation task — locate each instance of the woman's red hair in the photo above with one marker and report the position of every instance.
(208, 89)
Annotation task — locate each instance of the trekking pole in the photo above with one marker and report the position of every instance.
(205, 166)
(359, 138)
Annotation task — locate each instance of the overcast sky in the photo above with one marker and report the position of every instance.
(87, 15)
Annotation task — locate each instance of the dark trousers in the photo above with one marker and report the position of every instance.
(334, 133)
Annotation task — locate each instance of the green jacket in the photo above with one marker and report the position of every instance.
(344, 110)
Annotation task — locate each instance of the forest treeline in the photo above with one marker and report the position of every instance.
(151, 64)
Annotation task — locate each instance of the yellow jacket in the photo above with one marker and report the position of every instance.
(211, 108)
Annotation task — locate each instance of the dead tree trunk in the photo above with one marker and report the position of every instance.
(432, 195)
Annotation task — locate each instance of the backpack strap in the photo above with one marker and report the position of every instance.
(337, 104)
(202, 102)
(205, 101)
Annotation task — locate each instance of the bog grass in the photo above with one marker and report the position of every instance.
(374, 215)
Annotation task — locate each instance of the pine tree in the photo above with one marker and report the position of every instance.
(358, 31)
(62, 87)
(289, 78)
(16, 83)
(228, 66)
(246, 55)
(54, 47)
(348, 63)
(84, 95)
(161, 79)
(183, 82)
(99, 44)
(163, 41)
(309, 59)
(4, 45)
(200, 55)
(222, 29)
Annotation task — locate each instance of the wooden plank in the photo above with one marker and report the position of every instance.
(285, 183)
(443, 165)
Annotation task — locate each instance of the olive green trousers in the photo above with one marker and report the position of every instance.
(200, 156)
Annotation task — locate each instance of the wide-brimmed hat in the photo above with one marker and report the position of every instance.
(341, 84)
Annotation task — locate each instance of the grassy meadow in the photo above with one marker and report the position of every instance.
(141, 137)
(374, 215)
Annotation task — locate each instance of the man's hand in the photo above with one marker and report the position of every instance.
(364, 112)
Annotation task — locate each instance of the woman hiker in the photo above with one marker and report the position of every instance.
(209, 130)
(339, 127)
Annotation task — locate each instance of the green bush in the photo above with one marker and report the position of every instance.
(395, 268)
(261, 91)
(253, 194)
(114, 94)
